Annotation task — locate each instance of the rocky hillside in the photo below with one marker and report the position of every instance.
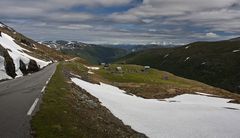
(214, 63)
(20, 55)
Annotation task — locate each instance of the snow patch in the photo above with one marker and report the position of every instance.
(235, 51)
(205, 94)
(90, 72)
(75, 75)
(187, 59)
(187, 47)
(40, 42)
(191, 116)
(166, 56)
(92, 68)
(72, 59)
(3, 74)
(1, 25)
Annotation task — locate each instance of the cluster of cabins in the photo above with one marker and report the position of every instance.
(119, 68)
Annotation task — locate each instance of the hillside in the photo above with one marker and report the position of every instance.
(94, 54)
(20, 55)
(214, 63)
(138, 47)
(88, 93)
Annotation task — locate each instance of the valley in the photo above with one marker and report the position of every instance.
(130, 94)
(94, 54)
(213, 63)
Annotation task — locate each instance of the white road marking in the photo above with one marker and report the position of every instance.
(32, 107)
(43, 89)
(37, 99)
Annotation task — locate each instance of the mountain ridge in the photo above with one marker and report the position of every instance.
(215, 63)
(95, 54)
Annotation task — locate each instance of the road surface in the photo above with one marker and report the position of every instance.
(18, 98)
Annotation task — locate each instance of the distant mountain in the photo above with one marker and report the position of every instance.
(214, 63)
(235, 39)
(93, 53)
(20, 55)
(62, 44)
(98, 53)
(134, 47)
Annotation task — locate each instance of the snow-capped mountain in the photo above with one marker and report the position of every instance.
(92, 53)
(62, 44)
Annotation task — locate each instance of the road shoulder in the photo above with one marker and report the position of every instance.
(68, 111)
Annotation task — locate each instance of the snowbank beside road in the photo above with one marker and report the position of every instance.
(3, 74)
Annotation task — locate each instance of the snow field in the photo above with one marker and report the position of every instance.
(183, 116)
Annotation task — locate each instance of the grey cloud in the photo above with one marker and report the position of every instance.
(153, 20)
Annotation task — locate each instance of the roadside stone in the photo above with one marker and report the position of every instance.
(91, 103)
(83, 97)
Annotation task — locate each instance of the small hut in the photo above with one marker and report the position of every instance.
(165, 77)
(119, 69)
(106, 65)
(102, 64)
(147, 67)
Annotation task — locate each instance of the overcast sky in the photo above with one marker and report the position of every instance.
(124, 21)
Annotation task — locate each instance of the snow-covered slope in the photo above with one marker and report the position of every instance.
(18, 53)
(184, 116)
(19, 56)
(1, 25)
(22, 55)
(61, 44)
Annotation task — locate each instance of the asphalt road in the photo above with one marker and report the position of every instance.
(16, 98)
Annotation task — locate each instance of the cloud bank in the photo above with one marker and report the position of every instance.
(124, 21)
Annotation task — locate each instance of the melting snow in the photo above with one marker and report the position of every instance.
(187, 47)
(92, 68)
(190, 116)
(234, 51)
(17, 53)
(166, 55)
(187, 59)
(90, 72)
(72, 59)
(3, 74)
(206, 94)
(75, 75)
(1, 25)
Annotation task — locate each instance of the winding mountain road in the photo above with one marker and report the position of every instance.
(18, 99)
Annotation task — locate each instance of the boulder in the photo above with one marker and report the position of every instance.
(33, 66)
(9, 64)
(23, 67)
